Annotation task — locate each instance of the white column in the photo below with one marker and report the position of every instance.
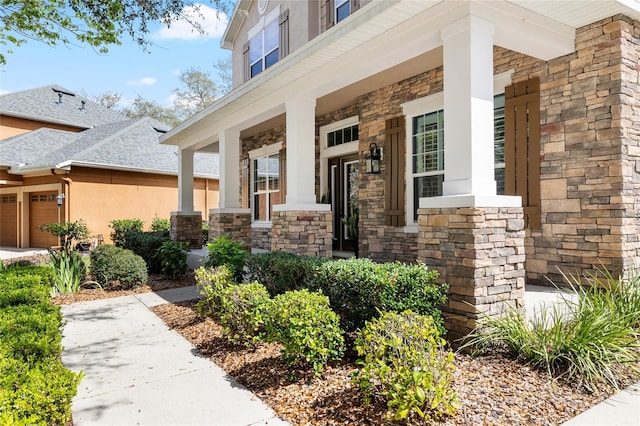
(229, 170)
(301, 156)
(185, 180)
(468, 107)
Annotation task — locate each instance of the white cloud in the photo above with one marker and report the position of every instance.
(144, 81)
(213, 23)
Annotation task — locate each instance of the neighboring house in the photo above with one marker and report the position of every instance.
(69, 158)
(508, 134)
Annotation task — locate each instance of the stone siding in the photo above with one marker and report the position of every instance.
(236, 225)
(187, 228)
(303, 232)
(261, 238)
(480, 253)
(589, 153)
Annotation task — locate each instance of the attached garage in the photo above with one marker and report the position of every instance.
(43, 209)
(9, 220)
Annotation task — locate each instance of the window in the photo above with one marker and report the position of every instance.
(266, 187)
(341, 136)
(426, 168)
(263, 48)
(427, 152)
(343, 9)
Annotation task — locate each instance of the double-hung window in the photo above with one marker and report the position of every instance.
(427, 158)
(264, 48)
(265, 181)
(498, 141)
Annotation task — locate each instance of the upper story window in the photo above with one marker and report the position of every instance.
(263, 48)
(268, 42)
(343, 9)
(334, 11)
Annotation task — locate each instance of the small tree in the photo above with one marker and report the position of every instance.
(69, 233)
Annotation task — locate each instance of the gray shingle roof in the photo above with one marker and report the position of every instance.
(130, 145)
(55, 104)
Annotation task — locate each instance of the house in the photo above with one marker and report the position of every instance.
(65, 158)
(507, 135)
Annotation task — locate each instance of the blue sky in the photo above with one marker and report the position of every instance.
(126, 69)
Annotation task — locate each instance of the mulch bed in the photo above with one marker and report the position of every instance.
(493, 390)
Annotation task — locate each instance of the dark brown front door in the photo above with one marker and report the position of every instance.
(343, 187)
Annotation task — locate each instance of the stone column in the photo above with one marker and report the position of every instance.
(230, 218)
(301, 225)
(186, 224)
(480, 253)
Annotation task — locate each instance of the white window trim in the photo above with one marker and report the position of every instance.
(335, 151)
(263, 151)
(426, 105)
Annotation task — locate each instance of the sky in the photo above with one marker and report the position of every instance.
(126, 69)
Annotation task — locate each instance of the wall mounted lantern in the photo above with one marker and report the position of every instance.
(60, 199)
(373, 159)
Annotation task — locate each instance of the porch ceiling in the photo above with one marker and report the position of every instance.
(384, 42)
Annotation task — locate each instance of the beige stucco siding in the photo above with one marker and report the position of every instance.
(13, 126)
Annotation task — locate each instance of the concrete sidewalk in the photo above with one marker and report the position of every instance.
(139, 372)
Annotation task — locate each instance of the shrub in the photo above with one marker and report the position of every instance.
(281, 272)
(307, 328)
(36, 394)
(205, 233)
(584, 338)
(173, 258)
(146, 245)
(121, 227)
(160, 224)
(211, 282)
(404, 362)
(17, 288)
(225, 251)
(115, 265)
(31, 332)
(242, 311)
(359, 289)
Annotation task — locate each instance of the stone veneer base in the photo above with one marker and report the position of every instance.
(480, 253)
(302, 232)
(234, 224)
(187, 228)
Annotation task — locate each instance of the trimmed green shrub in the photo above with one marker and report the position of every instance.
(211, 282)
(225, 251)
(114, 265)
(45, 272)
(146, 245)
(242, 311)
(160, 224)
(29, 332)
(121, 227)
(25, 289)
(405, 363)
(173, 258)
(280, 272)
(38, 394)
(585, 338)
(359, 289)
(306, 327)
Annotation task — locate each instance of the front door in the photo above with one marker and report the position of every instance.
(343, 189)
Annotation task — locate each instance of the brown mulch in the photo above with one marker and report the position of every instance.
(156, 282)
(494, 390)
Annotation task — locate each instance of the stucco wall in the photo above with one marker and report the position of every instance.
(12, 126)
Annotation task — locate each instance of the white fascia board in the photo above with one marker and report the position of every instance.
(67, 165)
(235, 23)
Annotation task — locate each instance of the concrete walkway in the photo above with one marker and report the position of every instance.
(139, 372)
